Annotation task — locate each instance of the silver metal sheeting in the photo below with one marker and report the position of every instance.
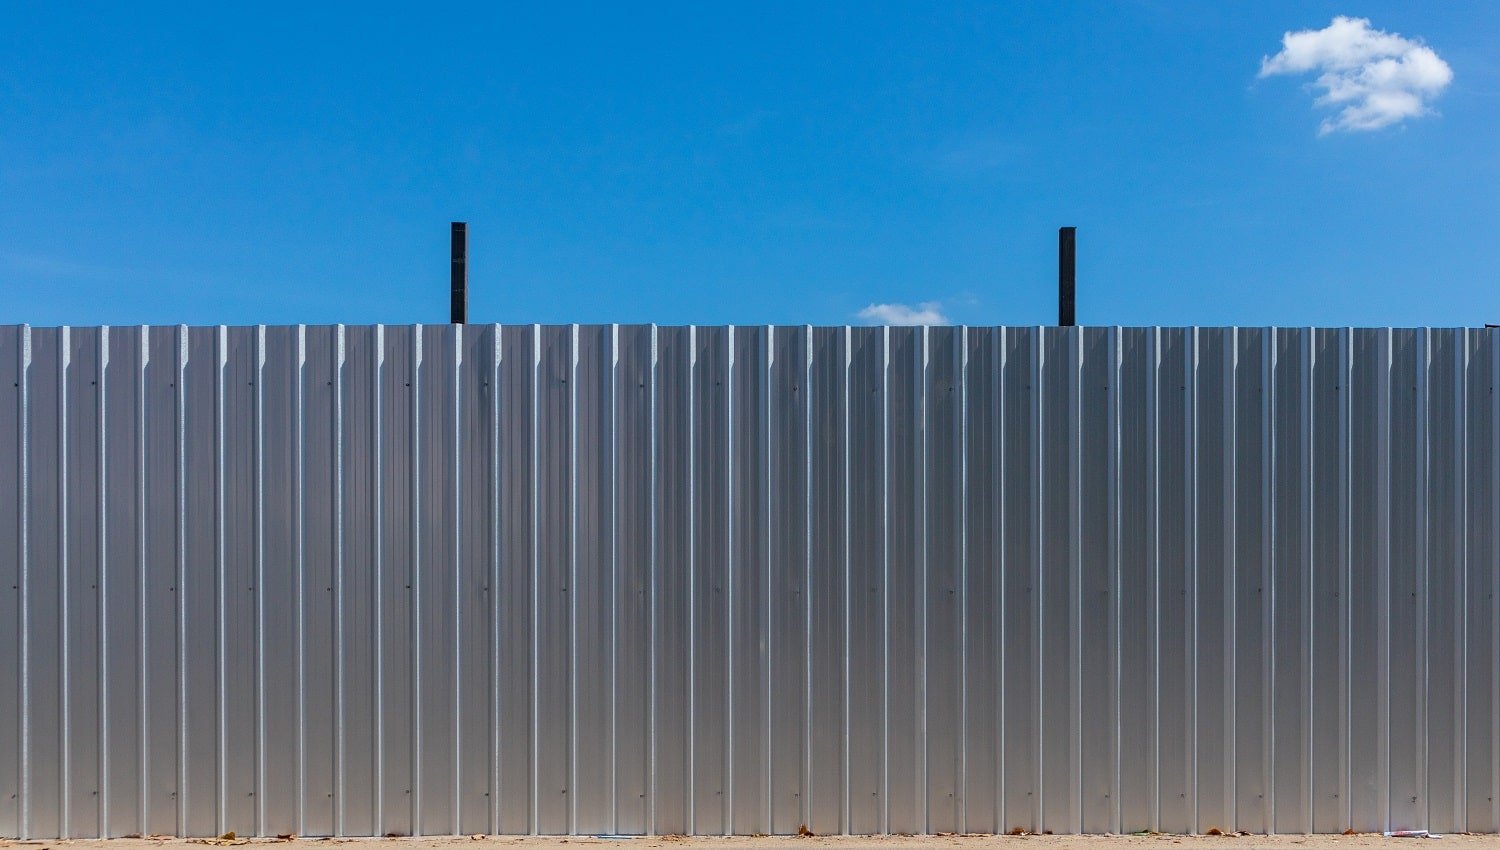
(596, 579)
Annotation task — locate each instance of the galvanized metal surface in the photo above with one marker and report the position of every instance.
(371, 580)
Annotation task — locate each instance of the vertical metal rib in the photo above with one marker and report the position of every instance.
(1002, 467)
(1305, 463)
(848, 610)
(963, 580)
(24, 583)
(571, 736)
(653, 629)
(1421, 732)
(181, 586)
(614, 575)
(807, 574)
(143, 740)
(458, 578)
(1001, 460)
(923, 773)
(1190, 473)
(1231, 560)
(692, 571)
(65, 758)
(102, 597)
(885, 579)
(339, 735)
(1153, 578)
(101, 437)
(768, 357)
(1268, 576)
(1112, 485)
(260, 583)
(1346, 353)
(536, 383)
(1494, 338)
(1075, 577)
(1038, 579)
(495, 373)
(221, 638)
(301, 578)
(377, 512)
(1383, 572)
(414, 400)
(727, 814)
(1461, 546)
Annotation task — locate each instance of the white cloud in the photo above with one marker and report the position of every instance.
(1376, 78)
(926, 313)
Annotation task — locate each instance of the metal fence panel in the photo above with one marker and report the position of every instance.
(629, 579)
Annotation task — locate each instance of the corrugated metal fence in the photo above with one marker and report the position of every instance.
(370, 580)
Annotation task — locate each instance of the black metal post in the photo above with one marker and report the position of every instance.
(1066, 275)
(459, 292)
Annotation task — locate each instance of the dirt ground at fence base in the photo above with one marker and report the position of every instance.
(933, 842)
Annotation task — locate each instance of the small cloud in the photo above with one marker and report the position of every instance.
(926, 313)
(1376, 77)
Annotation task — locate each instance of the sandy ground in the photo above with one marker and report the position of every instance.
(936, 842)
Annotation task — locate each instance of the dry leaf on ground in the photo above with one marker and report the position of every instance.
(228, 839)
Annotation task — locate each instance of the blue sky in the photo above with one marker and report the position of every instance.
(717, 163)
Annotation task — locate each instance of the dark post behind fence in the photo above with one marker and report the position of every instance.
(459, 303)
(1066, 275)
